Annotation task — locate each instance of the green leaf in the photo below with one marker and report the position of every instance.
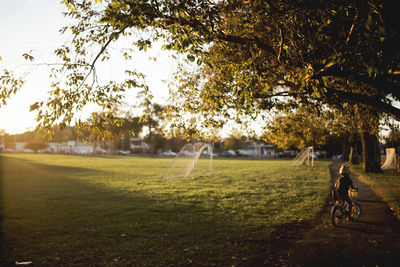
(28, 57)
(34, 106)
(191, 58)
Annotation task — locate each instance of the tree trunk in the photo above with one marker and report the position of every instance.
(371, 152)
(151, 139)
(345, 147)
(353, 158)
(115, 145)
(368, 128)
(94, 147)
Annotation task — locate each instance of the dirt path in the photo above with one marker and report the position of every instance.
(372, 241)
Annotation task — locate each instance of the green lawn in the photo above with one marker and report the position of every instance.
(386, 185)
(72, 210)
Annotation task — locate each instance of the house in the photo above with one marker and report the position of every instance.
(51, 148)
(268, 150)
(74, 147)
(138, 145)
(81, 148)
(257, 150)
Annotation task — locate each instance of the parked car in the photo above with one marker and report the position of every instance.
(169, 153)
(206, 153)
(124, 152)
(337, 157)
(228, 153)
(287, 154)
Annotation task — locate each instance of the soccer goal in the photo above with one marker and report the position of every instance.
(256, 150)
(251, 149)
(304, 157)
(390, 162)
(194, 160)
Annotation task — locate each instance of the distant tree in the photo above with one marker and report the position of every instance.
(10, 141)
(64, 134)
(35, 145)
(152, 119)
(234, 142)
(159, 142)
(3, 135)
(132, 127)
(106, 127)
(305, 126)
(113, 128)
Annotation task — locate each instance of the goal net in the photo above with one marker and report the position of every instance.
(390, 162)
(194, 160)
(256, 150)
(304, 157)
(250, 149)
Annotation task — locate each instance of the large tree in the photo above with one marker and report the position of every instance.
(254, 55)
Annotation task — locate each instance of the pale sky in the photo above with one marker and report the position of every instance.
(27, 25)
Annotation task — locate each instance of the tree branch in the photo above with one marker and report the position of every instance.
(378, 82)
(373, 102)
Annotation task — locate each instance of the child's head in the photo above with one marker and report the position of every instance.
(344, 169)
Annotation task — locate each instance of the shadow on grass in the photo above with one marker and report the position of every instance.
(2, 243)
(55, 220)
(54, 167)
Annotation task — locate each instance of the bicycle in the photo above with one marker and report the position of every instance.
(340, 209)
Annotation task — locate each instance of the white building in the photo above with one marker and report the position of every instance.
(81, 148)
(138, 145)
(268, 150)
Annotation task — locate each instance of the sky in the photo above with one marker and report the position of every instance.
(32, 26)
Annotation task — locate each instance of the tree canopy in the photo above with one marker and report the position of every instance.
(251, 55)
(35, 145)
(311, 51)
(299, 129)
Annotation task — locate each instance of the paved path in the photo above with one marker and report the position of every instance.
(372, 241)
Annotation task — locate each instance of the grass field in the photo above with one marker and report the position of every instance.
(77, 210)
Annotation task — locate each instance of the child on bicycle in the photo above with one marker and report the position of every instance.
(343, 184)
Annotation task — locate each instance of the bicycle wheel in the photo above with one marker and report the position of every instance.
(336, 216)
(356, 211)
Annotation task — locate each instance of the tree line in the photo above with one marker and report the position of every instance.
(112, 131)
(287, 131)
